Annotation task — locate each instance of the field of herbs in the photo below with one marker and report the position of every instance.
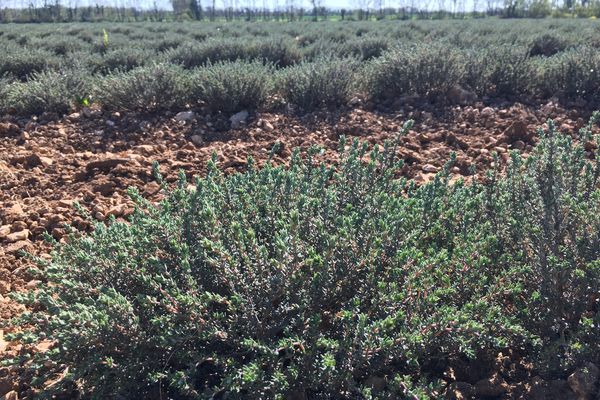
(313, 276)
(152, 67)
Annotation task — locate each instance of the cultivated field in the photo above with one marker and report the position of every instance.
(303, 210)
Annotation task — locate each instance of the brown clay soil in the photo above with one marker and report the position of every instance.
(93, 157)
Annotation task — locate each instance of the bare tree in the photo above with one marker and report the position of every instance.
(316, 5)
(363, 7)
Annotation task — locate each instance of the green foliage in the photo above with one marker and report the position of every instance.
(151, 88)
(191, 55)
(501, 71)
(230, 87)
(572, 74)
(312, 279)
(22, 63)
(430, 70)
(549, 205)
(49, 91)
(547, 45)
(321, 83)
(279, 52)
(522, 60)
(122, 60)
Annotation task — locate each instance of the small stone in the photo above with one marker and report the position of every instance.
(151, 188)
(9, 129)
(32, 160)
(67, 203)
(429, 168)
(14, 211)
(267, 126)
(106, 164)
(58, 233)
(4, 231)
(583, 381)
(566, 128)
(32, 284)
(44, 345)
(105, 188)
(18, 226)
(146, 149)
(25, 135)
(487, 112)
(18, 236)
(4, 287)
(110, 123)
(12, 395)
(46, 161)
(16, 247)
(238, 119)
(116, 211)
(185, 116)
(197, 140)
(517, 131)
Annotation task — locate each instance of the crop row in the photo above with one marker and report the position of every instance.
(430, 71)
(146, 67)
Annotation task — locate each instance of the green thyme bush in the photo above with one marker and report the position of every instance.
(549, 205)
(506, 71)
(522, 60)
(311, 280)
(230, 87)
(4, 85)
(547, 45)
(280, 52)
(325, 82)
(49, 91)
(572, 74)
(430, 70)
(152, 88)
(22, 62)
(191, 55)
(122, 60)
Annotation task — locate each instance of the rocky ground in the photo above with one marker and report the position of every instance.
(92, 157)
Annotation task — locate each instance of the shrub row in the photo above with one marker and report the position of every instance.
(321, 282)
(544, 37)
(429, 71)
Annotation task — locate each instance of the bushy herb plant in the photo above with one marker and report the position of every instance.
(152, 88)
(429, 70)
(230, 87)
(316, 280)
(318, 84)
(49, 91)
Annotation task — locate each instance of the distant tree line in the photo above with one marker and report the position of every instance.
(291, 10)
